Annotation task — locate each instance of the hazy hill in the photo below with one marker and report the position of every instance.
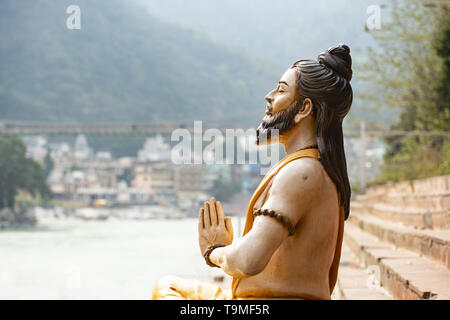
(123, 65)
(285, 30)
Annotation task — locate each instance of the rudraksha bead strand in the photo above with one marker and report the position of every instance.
(271, 213)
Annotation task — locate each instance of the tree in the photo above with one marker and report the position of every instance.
(17, 172)
(407, 73)
(224, 189)
(127, 175)
(443, 50)
(48, 164)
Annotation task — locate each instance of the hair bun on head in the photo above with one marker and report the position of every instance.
(338, 58)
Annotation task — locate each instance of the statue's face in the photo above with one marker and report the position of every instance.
(284, 94)
(281, 108)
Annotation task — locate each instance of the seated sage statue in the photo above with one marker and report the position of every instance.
(291, 245)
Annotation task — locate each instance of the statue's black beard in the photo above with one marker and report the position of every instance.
(282, 121)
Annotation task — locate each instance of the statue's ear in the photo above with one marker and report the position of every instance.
(305, 110)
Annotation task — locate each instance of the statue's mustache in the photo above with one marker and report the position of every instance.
(280, 121)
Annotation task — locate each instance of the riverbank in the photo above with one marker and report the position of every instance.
(23, 218)
(17, 219)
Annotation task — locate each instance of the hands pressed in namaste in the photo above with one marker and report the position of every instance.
(213, 227)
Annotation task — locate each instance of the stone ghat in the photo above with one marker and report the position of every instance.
(420, 203)
(398, 233)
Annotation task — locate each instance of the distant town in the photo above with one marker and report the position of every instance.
(87, 179)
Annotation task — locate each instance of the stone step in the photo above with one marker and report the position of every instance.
(433, 244)
(354, 282)
(403, 273)
(421, 219)
(432, 184)
(431, 201)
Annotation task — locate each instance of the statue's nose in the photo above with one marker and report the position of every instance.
(269, 97)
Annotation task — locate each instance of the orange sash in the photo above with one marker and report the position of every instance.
(306, 153)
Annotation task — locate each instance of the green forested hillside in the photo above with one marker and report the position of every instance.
(122, 66)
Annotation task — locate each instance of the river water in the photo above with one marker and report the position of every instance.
(112, 259)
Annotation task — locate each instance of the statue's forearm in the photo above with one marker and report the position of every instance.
(227, 258)
(249, 255)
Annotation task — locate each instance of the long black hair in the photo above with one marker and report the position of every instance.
(327, 83)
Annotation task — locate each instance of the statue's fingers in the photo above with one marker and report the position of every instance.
(213, 212)
(229, 226)
(207, 215)
(201, 219)
(220, 214)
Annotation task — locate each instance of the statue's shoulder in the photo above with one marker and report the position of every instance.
(305, 167)
(302, 173)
